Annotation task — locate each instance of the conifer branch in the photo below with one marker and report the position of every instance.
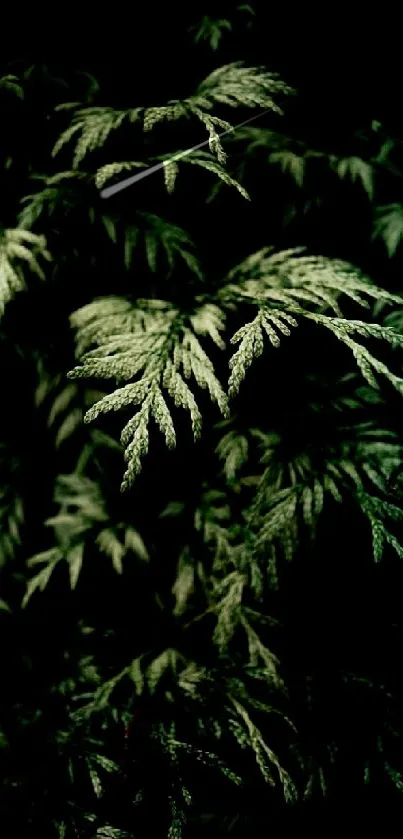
(164, 349)
(18, 249)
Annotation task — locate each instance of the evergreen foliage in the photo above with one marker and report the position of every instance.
(195, 643)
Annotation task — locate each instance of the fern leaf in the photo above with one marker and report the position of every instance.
(357, 169)
(19, 248)
(184, 584)
(389, 226)
(93, 125)
(105, 173)
(173, 240)
(233, 450)
(292, 279)
(266, 759)
(12, 84)
(216, 169)
(170, 172)
(158, 351)
(75, 561)
(112, 547)
(229, 596)
(50, 559)
(210, 30)
(378, 512)
(250, 337)
(290, 162)
(235, 85)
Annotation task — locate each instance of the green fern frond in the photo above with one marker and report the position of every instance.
(259, 654)
(212, 520)
(105, 173)
(296, 158)
(50, 560)
(163, 242)
(104, 318)
(162, 350)
(378, 512)
(233, 85)
(156, 114)
(209, 319)
(251, 341)
(170, 173)
(228, 598)
(205, 162)
(172, 240)
(12, 516)
(19, 249)
(236, 85)
(389, 226)
(293, 495)
(292, 270)
(210, 30)
(233, 450)
(395, 320)
(107, 831)
(290, 162)
(266, 759)
(62, 403)
(82, 521)
(212, 123)
(58, 194)
(357, 169)
(12, 84)
(297, 281)
(93, 125)
(184, 583)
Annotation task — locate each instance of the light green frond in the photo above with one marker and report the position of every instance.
(209, 320)
(233, 450)
(82, 522)
(50, 560)
(162, 350)
(228, 601)
(236, 85)
(357, 169)
(170, 172)
(250, 338)
(389, 226)
(378, 512)
(93, 125)
(153, 116)
(210, 30)
(12, 84)
(166, 662)
(266, 759)
(292, 496)
(163, 237)
(184, 583)
(290, 162)
(300, 282)
(12, 516)
(105, 173)
(19, 249)
(200, 159)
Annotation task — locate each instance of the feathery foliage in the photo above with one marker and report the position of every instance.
(163, 346)
(220, 641)
(18, 249)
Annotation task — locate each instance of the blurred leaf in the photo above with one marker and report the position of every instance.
(389, 226)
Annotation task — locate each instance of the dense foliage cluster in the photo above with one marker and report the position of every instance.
(201, 497)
